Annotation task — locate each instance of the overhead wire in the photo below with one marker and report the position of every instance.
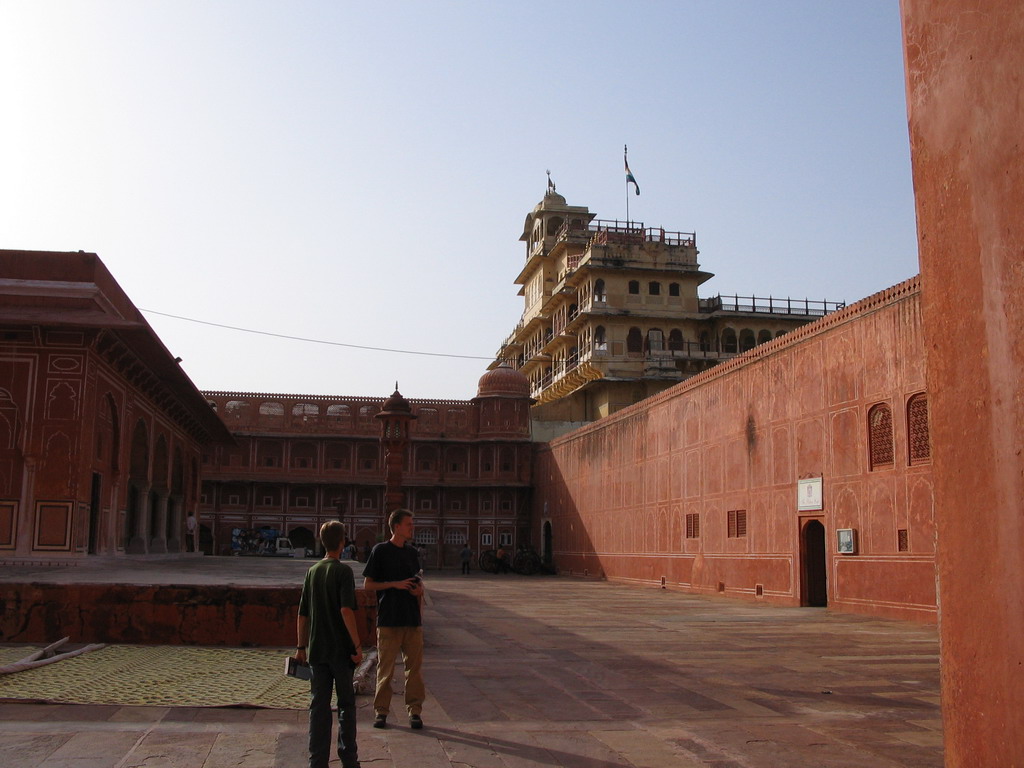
(313, 341)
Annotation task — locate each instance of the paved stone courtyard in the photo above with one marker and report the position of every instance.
(545, 672)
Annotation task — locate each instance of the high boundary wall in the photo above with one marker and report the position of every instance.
(697, 487)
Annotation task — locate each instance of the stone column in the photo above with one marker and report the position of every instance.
(158, 534)
(137, 543)
(175, 524)
(25, 521)
(964, 60)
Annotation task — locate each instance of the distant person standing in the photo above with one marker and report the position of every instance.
(328, 638)
(191, 529)
(393, 572)
(466, 555)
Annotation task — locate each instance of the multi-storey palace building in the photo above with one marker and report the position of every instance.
(300, 460)
(100, 429)
(612, 314)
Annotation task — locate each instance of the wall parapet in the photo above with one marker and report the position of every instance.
(899, 292)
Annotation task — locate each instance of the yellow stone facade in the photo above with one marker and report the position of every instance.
(612, 313)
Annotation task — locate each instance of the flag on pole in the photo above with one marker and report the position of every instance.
(630, 178)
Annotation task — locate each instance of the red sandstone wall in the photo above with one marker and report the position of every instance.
(964, 60)
(739, 437)
(161, 615)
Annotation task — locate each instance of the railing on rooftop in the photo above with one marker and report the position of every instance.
(605, 231)
(770, 305)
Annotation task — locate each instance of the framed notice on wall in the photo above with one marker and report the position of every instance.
(809, 494)
(846, 541)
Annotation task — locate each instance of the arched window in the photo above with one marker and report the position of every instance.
(634, 287)
(271, 409)
(303, 456)
(600, 342)
(368, 454)
(747, 340)
(456, 419)
(764, 336)
(366, 414)
(654, 288)
(675, 339)
(635, 342)
(456, 460)
(880, 436)
(427, 419)
(236, 410)
(506, 460)
(655, 340)
(269, 453)
(426, 458)
(426, 536)
(599, 294)
(305, 409)
(918, 436)
(338, 414)
(673, 289)
(705, 341)
(729, 340)
(454, 536)
(338, 455)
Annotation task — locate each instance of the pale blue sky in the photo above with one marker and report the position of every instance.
(360, 172)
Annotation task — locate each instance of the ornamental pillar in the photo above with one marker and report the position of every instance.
(395, 419)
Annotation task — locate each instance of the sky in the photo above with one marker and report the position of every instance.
(356, 175)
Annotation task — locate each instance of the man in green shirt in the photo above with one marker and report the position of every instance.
(329, 640)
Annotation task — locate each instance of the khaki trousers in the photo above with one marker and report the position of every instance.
(391, 640)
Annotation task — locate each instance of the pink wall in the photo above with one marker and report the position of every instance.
(964, 62)
(738, 438)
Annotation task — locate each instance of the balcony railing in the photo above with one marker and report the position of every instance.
(770, 305)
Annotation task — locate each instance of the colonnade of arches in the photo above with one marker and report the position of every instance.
(157, 495)
(728, 341)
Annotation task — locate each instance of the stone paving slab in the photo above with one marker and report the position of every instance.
(548, 672)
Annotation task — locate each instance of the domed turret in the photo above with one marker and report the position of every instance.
(396, 404)
(503, 381)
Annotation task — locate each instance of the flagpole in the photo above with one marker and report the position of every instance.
(625, 152)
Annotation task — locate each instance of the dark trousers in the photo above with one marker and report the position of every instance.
(465, 566)
(335, 676)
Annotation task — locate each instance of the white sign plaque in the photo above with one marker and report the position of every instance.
(809, 494)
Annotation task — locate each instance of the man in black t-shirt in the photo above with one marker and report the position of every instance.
(392, 571)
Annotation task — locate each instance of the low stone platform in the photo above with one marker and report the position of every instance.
(537, 672)
(161, 600)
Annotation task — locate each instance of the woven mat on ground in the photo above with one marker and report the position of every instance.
(161, 676)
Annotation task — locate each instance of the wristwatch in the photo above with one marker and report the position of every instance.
(300, 647)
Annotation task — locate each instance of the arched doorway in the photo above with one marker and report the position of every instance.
(814, 576)
(206, 540)
(138, 492)
(302, 537)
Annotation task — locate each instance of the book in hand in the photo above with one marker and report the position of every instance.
(297, 669)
